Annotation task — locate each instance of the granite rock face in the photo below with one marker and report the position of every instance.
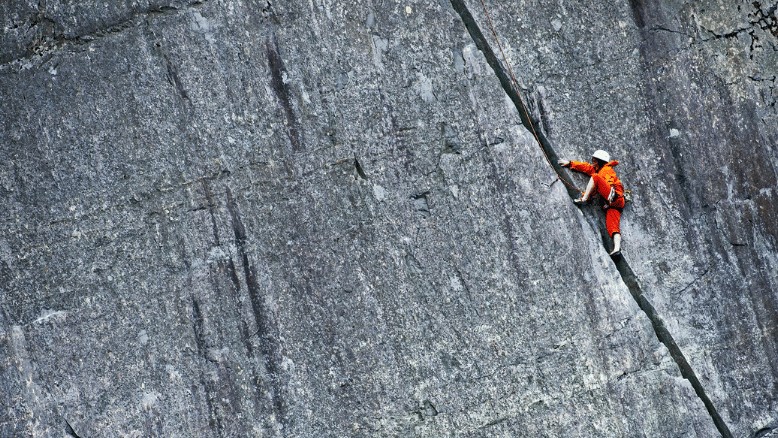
(317, 218)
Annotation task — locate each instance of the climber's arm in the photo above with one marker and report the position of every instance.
(581, 166)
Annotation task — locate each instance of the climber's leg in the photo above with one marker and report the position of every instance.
(587, 193)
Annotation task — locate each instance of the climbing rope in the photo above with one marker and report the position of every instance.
(518, 94)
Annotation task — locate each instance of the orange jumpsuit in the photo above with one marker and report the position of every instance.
(603, 181)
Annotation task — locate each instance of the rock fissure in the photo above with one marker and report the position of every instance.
(667, 29)
(360, 171)
(664, 336)
(762, 19)
(766, 19)
(508, 85)
(494, 422)
(627, 275)
(70, 430)
(763, 432)
(693, 282)
(727, 35)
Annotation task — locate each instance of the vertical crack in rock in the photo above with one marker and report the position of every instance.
(628, 276)
(667, 339)
(507, 84)
(281, 89)
(268, 339)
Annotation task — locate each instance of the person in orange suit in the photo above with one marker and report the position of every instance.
(607, 184)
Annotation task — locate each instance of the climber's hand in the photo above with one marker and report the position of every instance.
(563, 163)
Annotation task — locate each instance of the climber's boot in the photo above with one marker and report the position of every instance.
(616, 245)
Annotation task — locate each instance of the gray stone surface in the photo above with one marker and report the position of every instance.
(683, 92)
(238, 218)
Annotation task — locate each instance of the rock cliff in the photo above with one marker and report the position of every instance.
(320, 218)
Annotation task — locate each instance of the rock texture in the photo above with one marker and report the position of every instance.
(319, 218)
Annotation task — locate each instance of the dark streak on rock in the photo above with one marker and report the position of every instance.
(360, 171)
(679, 169)
(543, 116)
(233, 274)
(494, 422)
(211, 211)
(228, 266)
(70, 430)
(172, 75)
(696, 279)
(762, 432)
(198, 323)
(174, 79)
(421, 203)
(637, 13)
(281, 89)
(268, 339)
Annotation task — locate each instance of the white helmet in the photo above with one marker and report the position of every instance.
(602, 155)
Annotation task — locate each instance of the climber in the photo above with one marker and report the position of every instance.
(608, 186)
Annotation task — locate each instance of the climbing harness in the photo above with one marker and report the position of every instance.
(518, 94)
(627, 195)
